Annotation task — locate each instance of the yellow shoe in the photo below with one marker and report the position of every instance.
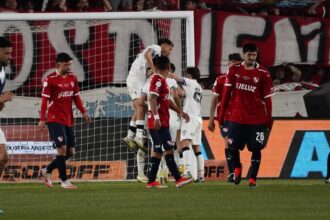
(181, 169)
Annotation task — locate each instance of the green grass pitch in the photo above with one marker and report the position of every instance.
(272, 199)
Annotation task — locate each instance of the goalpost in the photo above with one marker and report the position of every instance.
(103, 46)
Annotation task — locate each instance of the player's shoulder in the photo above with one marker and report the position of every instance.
(51, 77)
(72, 75)
(261, 68)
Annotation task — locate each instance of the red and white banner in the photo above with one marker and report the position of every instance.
(103, 51)
(280, 39)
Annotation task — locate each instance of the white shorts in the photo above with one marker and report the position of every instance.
(192, 130)
(134, 87)
(2, 137)
(174, 124)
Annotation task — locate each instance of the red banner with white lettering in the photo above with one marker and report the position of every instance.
(280, 39)
(103, 52)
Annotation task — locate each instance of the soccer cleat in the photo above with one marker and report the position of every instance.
(238, 175)
(155, 184)
(200, 180)
(67, 185)
(130, 144)
(47, 178)
(182, 182)
(139, 143)
(163, 177)
(327, 180)
(252, 183)
(231, 178)
(142, 179)
(181, 169)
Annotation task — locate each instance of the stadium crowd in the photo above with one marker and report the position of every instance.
(294, 76)
(315, 8)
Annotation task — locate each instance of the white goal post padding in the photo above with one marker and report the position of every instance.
(103, 46)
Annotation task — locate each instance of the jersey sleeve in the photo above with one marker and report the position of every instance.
(268, 89)
(217, 87)
(76, 90)
(155, 50)
(156, 85)
(230, 78)
(172, 84)
(46, 88)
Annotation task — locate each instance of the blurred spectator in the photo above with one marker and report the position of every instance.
(191, 5)
(57, 6)
(28, 6)
(123, 5)
(96, 6)
(319, 9)
(10, 5)
(318, 76)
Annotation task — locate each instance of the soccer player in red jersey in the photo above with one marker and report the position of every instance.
(233, 59)
(247, 106)
(60, 91)
(158, 124)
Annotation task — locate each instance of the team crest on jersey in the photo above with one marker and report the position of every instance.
(158, 83)
(72, 84)
(230, 141)
(45, 84)
(60, 138)
(184, 132)
(255, 79)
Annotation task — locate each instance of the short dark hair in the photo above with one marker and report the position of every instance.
(63, 57)
(172, 67)
(165, 41)
(250, 47)
(194, 72)
(5, 42)
(234, 57)
(161, 62)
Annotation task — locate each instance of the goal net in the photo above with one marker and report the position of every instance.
(103, 46)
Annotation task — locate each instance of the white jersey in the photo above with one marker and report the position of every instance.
(139, 66)
(193, 97)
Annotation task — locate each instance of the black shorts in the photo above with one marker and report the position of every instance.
(224, 129)
(239, 135)
(161, 140)
(61, 134)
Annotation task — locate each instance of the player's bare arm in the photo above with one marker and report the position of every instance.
(6, 96)
(148, 56)
(211, 125)
(182, 114)
(153, 106)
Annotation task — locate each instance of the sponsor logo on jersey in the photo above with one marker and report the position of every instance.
(245, 87)
(255, 79)
(65, 94)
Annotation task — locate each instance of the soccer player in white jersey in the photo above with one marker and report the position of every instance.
(191, 132)
(5, 57)
(135, 81)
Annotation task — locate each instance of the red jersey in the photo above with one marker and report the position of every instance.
(158, 86)
(60, 92)
(218, 89)
(249, 90)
